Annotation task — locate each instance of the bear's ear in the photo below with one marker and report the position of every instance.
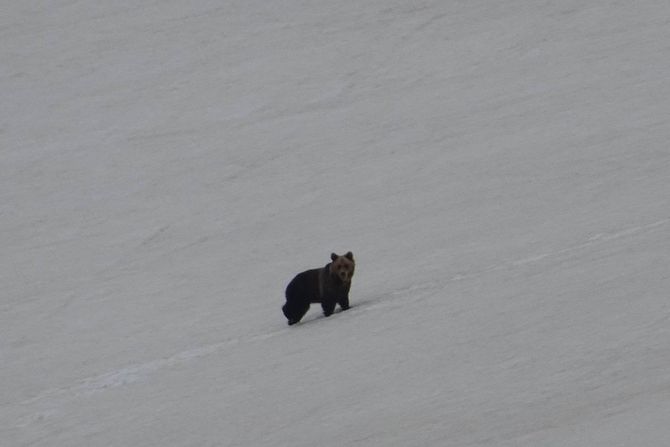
(349, 256)
(333, 256)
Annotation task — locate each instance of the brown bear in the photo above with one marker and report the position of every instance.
(328, 285)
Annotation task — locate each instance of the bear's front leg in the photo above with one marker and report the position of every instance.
(343, 302)
(328, 307)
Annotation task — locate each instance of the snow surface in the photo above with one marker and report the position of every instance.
(501, 171)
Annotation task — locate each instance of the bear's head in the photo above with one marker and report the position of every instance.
(343, 266)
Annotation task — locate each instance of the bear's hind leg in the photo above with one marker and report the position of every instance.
(294, 312)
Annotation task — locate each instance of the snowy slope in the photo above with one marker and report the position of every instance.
(500, 170)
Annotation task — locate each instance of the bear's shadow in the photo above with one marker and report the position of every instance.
(320, 316)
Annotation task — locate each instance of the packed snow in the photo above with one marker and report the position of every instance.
(500, 170)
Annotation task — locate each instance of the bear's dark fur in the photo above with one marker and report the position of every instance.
(328, 285)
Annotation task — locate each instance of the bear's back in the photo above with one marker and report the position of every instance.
(305, 284)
